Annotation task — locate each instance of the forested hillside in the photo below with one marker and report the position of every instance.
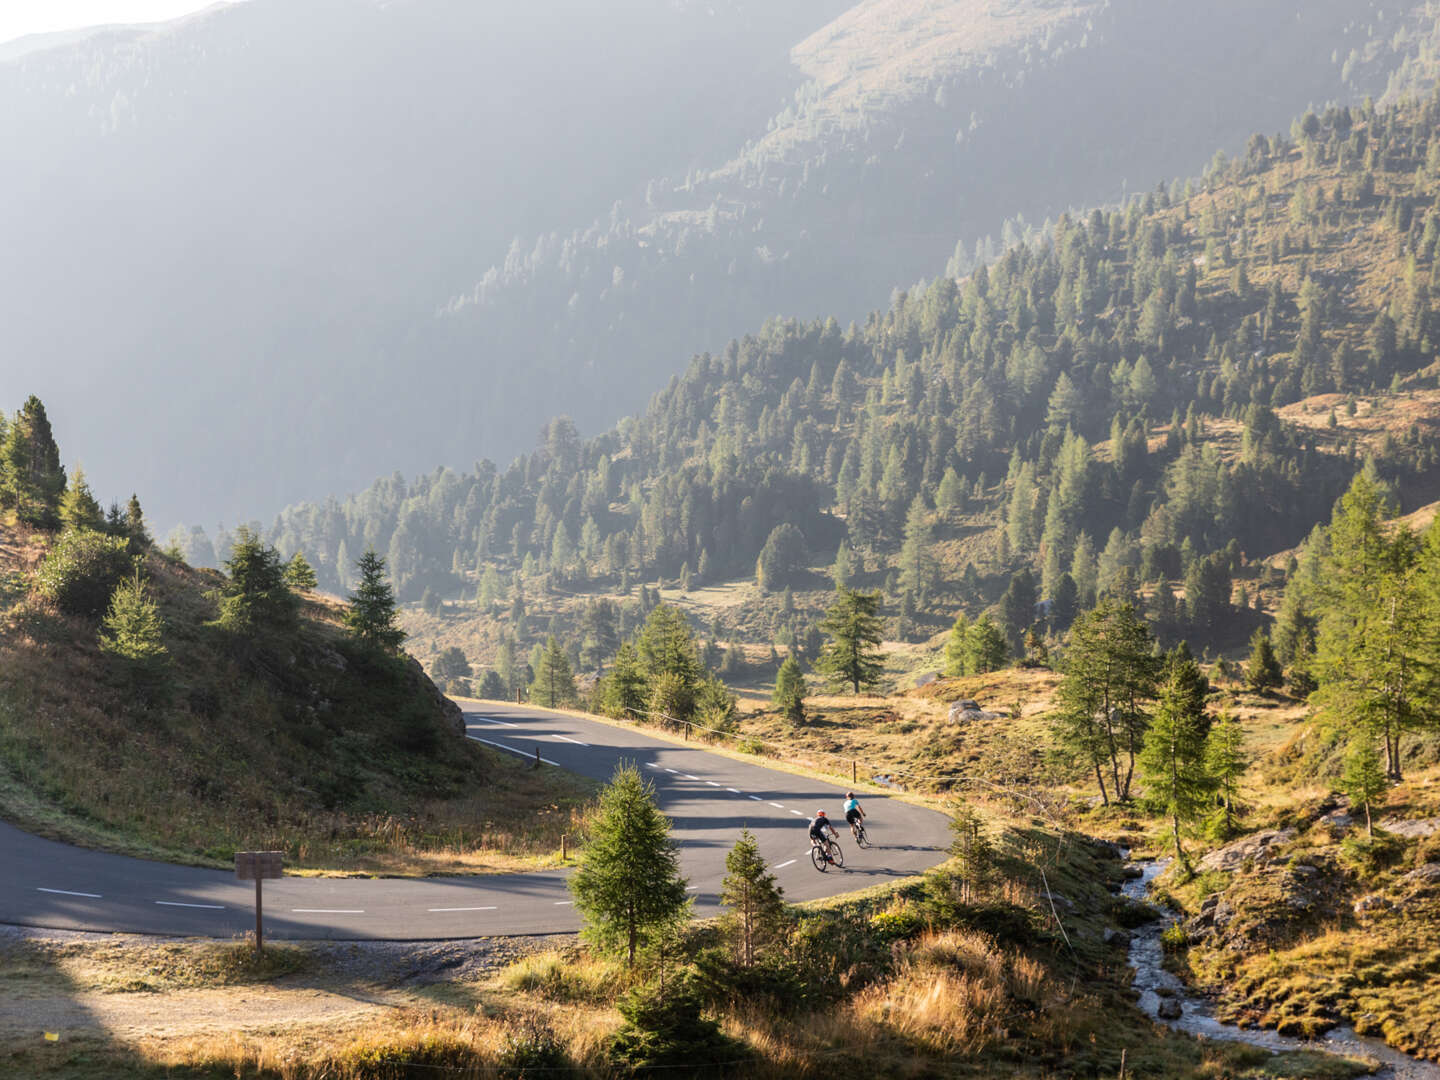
(425, 222)
(1149, 401)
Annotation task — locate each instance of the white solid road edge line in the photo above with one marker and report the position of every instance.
(327, 911)
(177, 903)
(512, 749)
(67, 892)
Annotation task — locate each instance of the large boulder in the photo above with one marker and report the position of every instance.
(1256, 848)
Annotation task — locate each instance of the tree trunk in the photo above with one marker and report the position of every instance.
(1369, 826)
(1100, 779)
(1175, 832)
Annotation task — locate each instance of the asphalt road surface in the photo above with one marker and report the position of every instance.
(708, 798)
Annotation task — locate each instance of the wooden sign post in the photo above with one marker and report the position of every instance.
(256, 866)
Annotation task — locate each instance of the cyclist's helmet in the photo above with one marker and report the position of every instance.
(819, 813)
(849, 794)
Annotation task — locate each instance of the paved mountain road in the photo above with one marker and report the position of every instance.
(708, 797)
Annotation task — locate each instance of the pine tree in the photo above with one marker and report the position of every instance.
(373, 618)
(1263, 671)
(1363, 779)
(1173, 756)
(852, 654)
(789, 695)
(299, 574)
(974, 855)
(628, 887)
(985, 647)
(133, 629)
(79, 508)
(554, 684)
(757, 917)
(1225, 761)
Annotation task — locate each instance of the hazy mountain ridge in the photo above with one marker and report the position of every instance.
(266, 216)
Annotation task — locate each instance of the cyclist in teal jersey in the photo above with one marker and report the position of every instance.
(854, 813)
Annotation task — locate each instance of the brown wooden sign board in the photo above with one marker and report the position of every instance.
(257, 865)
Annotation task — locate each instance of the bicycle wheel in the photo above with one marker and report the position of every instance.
(860, 838)
(818, 858)
(837, 857)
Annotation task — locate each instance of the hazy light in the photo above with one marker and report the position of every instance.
(21, 17)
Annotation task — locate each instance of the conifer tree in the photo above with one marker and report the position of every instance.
(843, 572)
(32, 479)
(373, 618)
(133, 629)
(1263, 671)
(255, 598)
(1225, 761)
(554, 684)
(789, 695)
(79, 508)
(757, 917)
(955, 654)
(299, 574)
(628, 887)
(918, 568)
(1363, 779)
(974, 855)
(667, 648)
(1109, 679)
(136, 530)
(851, 654)
(1173, 757)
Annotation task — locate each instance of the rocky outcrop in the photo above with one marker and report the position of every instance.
(1257, 848)
(1415, 829)
(453, 717)
(1271, 905)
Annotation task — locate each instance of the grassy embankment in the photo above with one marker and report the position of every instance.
(305, 743)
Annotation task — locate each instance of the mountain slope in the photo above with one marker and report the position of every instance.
(269, 227)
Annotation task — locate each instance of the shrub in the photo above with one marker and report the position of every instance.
(665, 1027)
(897, 924)
(1173, 938)
(530, 1049)
(82, 570)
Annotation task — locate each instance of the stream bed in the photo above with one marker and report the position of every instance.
(1155, 986)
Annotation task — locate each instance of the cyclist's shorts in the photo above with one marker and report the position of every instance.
(852, 817)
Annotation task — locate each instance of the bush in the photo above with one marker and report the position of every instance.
(897, 924)
(1173, 938)
(530, 1050)
(81, 571)
(665, 1027)
(1367, 856)
(773, 980)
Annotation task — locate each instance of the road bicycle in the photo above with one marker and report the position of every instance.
(825, 854)
(857, 830)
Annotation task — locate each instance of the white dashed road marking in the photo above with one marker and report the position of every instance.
(563, 903)
(67, 892)
(784, 864)
(797, 813)
(433, 909)
(566, 738)
(177, 903)
(712, 783)
(733, 790)
(757, 798)
(687, 776)
(501, 723)
(778, 806)
(327, 911)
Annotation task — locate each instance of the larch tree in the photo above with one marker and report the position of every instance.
(758, 916)
(1363, 780)
(1226, 761)
(852, 652)
(1263, 672)
(1173, 757)
(790, 691)
(554, 684)
(1109, 680)
(628, 887)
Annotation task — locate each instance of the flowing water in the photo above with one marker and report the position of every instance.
(1155, 984)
